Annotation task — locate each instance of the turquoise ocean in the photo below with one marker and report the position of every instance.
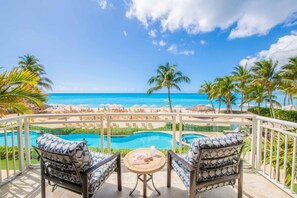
(129, 99)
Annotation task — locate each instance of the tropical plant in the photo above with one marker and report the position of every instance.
(242, 77)
(167, 77)
(288, 84)
(31, 63)
(207, 88)
(265, 73)
(17, 89)
(224, 88)
(257, 94)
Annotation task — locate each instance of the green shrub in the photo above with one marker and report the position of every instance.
(279, 113)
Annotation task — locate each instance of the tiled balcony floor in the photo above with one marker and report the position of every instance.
(28, 185)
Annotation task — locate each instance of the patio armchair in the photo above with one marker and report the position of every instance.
(70, 165)
(210, 163)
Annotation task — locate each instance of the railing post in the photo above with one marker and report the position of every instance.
(180, 133)
(254, 141)
(20, 146)
(173, 132)
(259, 145)
(102, 133)
(27, 142)
(108, 134)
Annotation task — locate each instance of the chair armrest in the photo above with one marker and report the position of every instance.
(186, 164)
(94, 167)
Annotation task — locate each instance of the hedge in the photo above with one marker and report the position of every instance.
(279, 114)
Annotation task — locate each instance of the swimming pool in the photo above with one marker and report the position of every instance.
(138, 140)
(188, 138)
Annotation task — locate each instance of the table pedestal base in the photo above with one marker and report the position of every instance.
(146, 178)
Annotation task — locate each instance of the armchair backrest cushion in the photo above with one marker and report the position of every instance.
(77, 150)
(214, 152)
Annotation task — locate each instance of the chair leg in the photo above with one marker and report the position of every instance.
(169, 170)
(240, 179)
(85, 186)
(119, 173)
(42, 181)
(192, 184)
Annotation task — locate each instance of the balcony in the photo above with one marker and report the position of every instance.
(270, 157)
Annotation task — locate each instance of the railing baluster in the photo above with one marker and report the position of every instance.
(259, 145)
(108, 134)
(13, 151)
(6, 153)
(101, 134)
(277, 156)
(20, 146)
(27, 142)
(180, 133)
(271, 152)
(265, 151)
(293, 166)
(173, 133)
(285, 161)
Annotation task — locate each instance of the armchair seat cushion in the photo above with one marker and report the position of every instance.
(181, 171)
(98, 177)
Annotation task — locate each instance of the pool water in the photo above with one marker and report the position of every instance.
(188, 138)
(138, 140)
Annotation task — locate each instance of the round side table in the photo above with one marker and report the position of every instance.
(145, 170)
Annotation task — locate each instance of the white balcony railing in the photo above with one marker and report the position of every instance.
(272, 149)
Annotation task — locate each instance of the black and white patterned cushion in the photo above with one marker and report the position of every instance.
(211, 158)
(218, 162)
(82, 157)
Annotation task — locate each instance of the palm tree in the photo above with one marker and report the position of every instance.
(242, 76)
(31, 63)
(289, 79)
(167, 77)
(265, 73)
(224, 88)
(258, 94)
(207, 88)
(17, 89)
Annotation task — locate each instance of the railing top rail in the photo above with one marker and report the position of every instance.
(276, 121)
(15, 118)
(63, 115)
(219, 115)
(143, 114)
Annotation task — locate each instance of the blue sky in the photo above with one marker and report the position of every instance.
(110, 46)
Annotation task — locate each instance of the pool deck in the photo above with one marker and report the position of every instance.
(254, 186)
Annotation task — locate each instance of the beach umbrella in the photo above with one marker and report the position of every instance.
(153, 106)
(135, 106)
(289, 107)
(199, 108)
(208, 105)
(177, 106)
(143, 106)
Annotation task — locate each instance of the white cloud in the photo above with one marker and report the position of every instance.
(202, 42)
(246, 17)
(162, 43)
(174, 50)
(125, 33)
(152, 33)
(102, 3)
(283, 49)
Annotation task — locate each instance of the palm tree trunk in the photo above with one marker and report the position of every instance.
(271, 104)
(285, 99)
(241, 101)
(219, 105)
(259, 104)
(291, 98)
(169, 99)
(212, 106)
